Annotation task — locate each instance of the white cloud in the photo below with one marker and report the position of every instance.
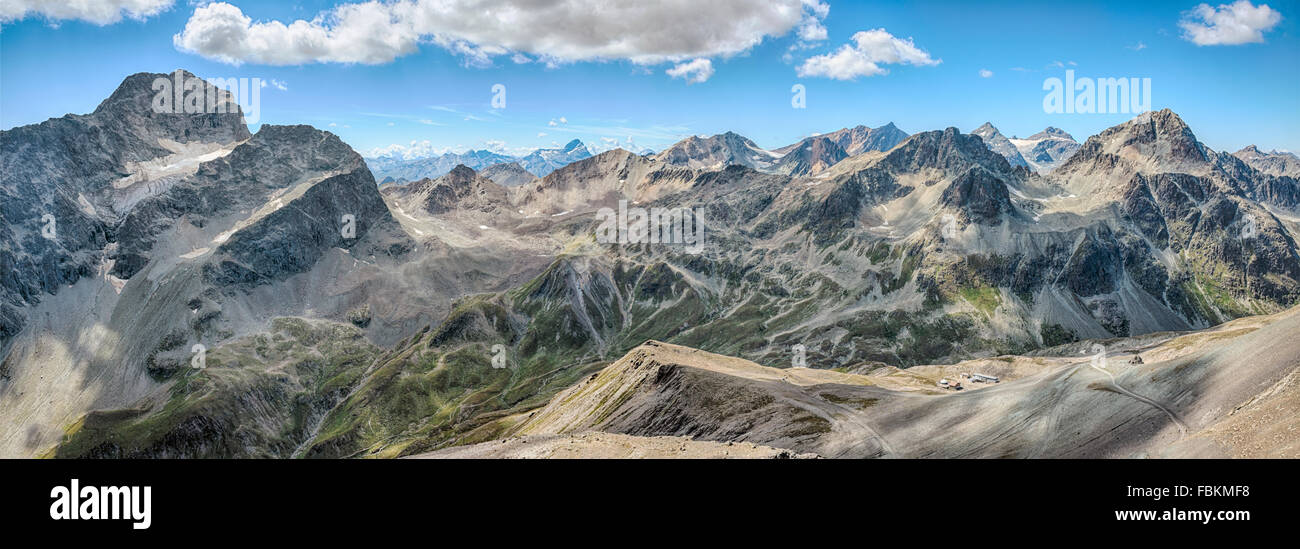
(611, 143)
(557, 121)
(863, 57)
(1138, 46)
(985, 73)
(360, 33)
(280, 85)
(1230, 24)
(695, 72)
(812, 31)
(99, 12)
(811, 28)
(557, 31)
(541, 134)
(416, 149)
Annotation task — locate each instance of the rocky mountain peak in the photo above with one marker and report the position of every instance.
(1052, 132)
(460, 175)
(1160, 139)
(813, 155)
(998, 143)
(1272, 163)
(135, 106)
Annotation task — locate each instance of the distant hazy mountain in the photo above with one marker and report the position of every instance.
(509, 174)
(998, 143)
(1273, 163)
(406, 170)
(539, 162)
(1046, 150)
(544, 161)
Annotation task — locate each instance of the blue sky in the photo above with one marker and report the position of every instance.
(1238, 87)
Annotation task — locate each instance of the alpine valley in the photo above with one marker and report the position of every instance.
(174, 286)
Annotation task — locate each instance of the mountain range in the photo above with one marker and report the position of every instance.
(537, 163)
(335, 318)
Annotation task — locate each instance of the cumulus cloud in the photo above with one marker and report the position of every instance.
(99, 12)
(811, 28)
(985, 73)
(696, 71)
(864, 57)
(559, 31)
(1229, 24)
(416, 149)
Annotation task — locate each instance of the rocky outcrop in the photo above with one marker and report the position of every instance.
(980, 197)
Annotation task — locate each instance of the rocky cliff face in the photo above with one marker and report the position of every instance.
(161, 229)
(67, 185)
